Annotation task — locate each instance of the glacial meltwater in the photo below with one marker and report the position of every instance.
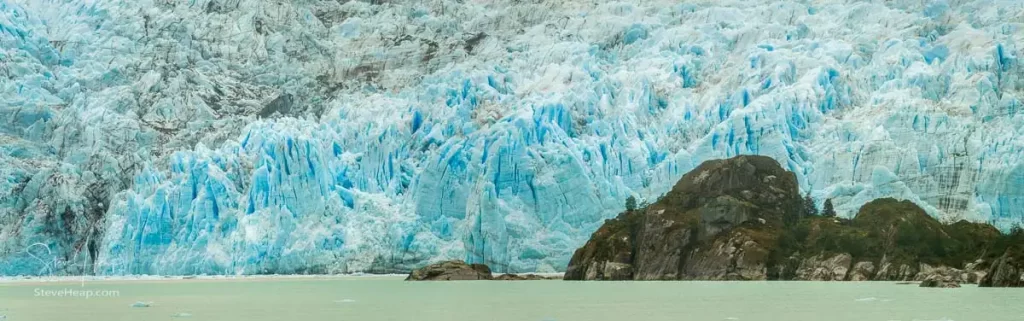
(390, 298)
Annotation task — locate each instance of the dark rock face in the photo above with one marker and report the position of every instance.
(609, 258)
(1007, 270)
(662, 245)
(451, 271)
(282, 104)
(737, 256)
(715, 224)
(742, 219)
(523, 277)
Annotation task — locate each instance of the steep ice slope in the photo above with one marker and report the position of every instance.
(314, 136)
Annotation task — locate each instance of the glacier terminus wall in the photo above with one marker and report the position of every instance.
(340, 136)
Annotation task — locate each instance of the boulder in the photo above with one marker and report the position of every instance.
(937, 281)
(455, 270)
(926, 271)
(862, 271)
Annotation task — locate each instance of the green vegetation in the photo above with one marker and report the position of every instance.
(1012, 244)
(899, 230)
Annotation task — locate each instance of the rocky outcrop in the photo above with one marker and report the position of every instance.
(451, 271)
(926, 272)
(606, 257)
(609, 271)
(719, 222)
(736, 257)
(743, 219)
(938, 281)
(862, 271)
(822, 268)
(973, 272)
(890, 271)
(1007, 270)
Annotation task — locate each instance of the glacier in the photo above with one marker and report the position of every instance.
(168, 137)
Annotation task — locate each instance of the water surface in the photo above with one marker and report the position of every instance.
(389, 298)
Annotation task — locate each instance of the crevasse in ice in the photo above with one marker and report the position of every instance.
(249, 136)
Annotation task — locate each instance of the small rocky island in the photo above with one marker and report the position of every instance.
(451, 271)
(743, 219)
(457, 270)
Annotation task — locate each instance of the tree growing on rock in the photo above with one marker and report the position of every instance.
(809, 208)
(630, 203)
(828, 210)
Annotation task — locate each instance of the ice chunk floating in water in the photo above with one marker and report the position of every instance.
(192, 137)
(141, 304)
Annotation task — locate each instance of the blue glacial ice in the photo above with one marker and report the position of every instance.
(252, 136)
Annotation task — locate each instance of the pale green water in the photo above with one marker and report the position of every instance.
(376, 298)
